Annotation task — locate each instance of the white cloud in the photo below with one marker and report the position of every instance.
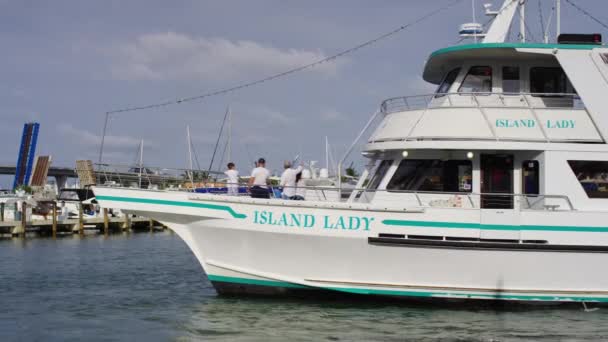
(176, 56)
(84, 137)
(331, 115)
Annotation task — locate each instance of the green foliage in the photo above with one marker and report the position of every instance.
(26, 188)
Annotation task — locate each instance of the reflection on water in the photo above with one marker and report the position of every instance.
(150, 287)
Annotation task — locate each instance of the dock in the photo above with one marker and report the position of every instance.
(80, 226)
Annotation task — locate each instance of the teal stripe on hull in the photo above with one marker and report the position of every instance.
(467, 225)
(418, 294)
(247, 281)
(173, 203)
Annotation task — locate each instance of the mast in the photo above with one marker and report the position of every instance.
(326, 153)
(499, 29)
(189, 154)
(229, 140)
(141, 160)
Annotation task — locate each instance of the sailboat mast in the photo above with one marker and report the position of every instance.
(229, 142)
(141, 159)
(189, 154)
(326, 153)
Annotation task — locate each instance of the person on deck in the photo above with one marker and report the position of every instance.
(233, 180)
(300, 188)
(288, 180)
(258, 182)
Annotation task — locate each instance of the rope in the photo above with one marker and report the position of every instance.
(291, 71)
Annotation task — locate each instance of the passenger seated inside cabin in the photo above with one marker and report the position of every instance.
(258, 182)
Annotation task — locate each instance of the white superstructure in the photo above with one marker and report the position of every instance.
(495, 188)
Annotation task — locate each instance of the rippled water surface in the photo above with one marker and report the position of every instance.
(149, 287)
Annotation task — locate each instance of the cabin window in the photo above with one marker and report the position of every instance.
(477, 80)
(379, 174)
(510, 80)
(593, 176)
(449, 79)
(548, 81)
(530, 177)
(433, 175)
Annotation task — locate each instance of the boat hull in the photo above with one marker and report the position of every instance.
(244, 254)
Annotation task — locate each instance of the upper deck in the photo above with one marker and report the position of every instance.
(549, 93)
(531, 117)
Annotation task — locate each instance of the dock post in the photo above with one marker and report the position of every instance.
(1, 212)
(127, 225)
(54, 213)
(151, 225)
(106, 221)
(80, 220)
(23, 218)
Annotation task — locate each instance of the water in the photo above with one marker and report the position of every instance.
(149, 287)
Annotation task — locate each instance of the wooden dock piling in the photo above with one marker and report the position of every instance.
(127, 225)
(106, 222)
(1, 212)
(80, 220)
(54, 213)
(151, 225)
(23, 218)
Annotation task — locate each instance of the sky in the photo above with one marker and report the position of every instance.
(64, 63)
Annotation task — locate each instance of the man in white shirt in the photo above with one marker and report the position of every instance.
(233, 180)
(259, 180)
(288, 180)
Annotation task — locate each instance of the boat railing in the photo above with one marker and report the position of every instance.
(482, 100)
(214, 183)
(429, 199)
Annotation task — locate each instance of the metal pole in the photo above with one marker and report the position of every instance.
(141, 160)
(350, 149)
(103, 137)
(558, 21)
(522, 21)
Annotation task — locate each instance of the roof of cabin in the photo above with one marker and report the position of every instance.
(444, 60)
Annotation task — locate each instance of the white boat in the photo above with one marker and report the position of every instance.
(493, 188)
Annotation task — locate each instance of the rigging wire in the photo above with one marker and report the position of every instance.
(291, 71)
(582, 10)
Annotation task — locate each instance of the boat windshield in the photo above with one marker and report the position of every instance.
(478, 80)
(449, 79)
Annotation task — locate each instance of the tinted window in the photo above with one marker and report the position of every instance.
(510, 80)
(477, 80)
(548, 80)
(593, 176)
(433, 175)
(379, 174)
(449, 79)
(530, 177)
